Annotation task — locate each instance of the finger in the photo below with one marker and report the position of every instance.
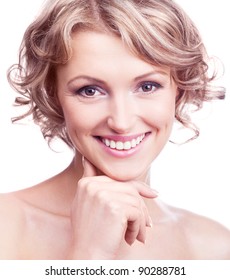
(144, 190)
(142, 230)
(132, 231)
(136, 230)
(89, 169)
(134, 218)
(147, 217)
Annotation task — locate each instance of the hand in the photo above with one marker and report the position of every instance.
(105, 212)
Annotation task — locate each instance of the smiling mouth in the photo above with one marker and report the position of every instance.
(123, 145)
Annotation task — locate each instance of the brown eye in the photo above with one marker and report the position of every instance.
(89, 92)
(148, 87)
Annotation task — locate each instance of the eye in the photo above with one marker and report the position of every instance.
(148, 87)
(89, 92)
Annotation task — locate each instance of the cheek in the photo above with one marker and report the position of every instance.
(80, 120)
(161, 115)
(77, 126)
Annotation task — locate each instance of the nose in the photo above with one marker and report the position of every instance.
(122, 114)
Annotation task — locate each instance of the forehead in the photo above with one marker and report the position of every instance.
(95, 53)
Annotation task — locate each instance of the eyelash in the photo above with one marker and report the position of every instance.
(154, 85)
(82, 91)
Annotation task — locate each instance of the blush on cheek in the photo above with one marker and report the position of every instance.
(160, 119)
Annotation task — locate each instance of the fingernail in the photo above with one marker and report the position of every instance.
(155, 192)
(150, 222)
(83, 161)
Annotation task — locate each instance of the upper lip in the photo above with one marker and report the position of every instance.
(122, 138)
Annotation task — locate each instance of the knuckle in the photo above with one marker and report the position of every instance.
(101, 196)
(82, 182)
(86, 186)
(137, 202)
(139, 213)
(116, 211)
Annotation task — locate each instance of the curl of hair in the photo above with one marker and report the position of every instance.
(159, 32)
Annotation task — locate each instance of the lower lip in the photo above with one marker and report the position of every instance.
(123, 153)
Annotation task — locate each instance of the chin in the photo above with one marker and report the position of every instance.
(125, 175)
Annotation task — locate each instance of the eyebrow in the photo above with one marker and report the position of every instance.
(85, 77)
(155, 72)
(95, 80)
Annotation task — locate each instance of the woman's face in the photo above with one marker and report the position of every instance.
(118, 109)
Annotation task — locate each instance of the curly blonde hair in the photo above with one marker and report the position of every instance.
(158, 31)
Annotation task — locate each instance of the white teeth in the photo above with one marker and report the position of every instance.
(107, 143)
(112, 144)
(118, 145)
(127, 145)
(133, 143)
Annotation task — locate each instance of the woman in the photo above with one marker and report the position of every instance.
(109, 78)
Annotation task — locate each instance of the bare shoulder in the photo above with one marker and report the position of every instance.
(15, 210)
(29, 220)
(207, 238)
(11, 226)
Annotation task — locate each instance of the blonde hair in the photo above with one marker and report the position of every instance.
(158, 31)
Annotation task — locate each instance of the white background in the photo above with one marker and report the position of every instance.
(195, 176)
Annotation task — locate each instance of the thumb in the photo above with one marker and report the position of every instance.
(89, 169)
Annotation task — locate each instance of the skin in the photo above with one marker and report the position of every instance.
(101, 206)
